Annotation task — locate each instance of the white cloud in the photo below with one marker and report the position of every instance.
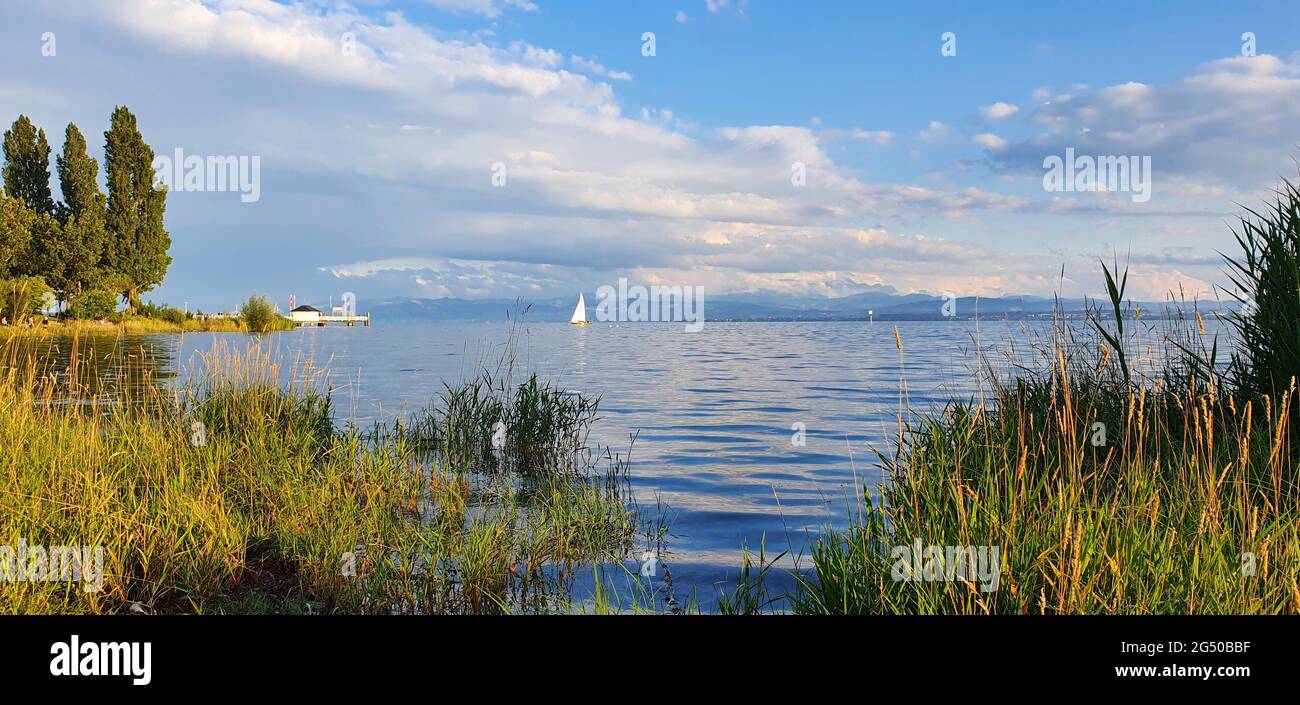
(596, 68)
(998, 111)
(548, 58)
(1228, 124)
(933, 132)
(991, 141)
(682, 18)
(1148, 284)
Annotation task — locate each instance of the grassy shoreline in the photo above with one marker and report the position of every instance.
(133, 326)
(238, 494)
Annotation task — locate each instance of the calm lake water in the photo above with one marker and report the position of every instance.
(718, 413)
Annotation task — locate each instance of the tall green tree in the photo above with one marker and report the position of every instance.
(46, 256)
(138, 242)
(15, 236)
(78, 175)
(21, 260)
(27, 165)
(83, 214)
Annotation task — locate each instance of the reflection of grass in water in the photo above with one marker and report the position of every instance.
(104, 368)
(271, 509)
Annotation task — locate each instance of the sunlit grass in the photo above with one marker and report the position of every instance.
(237, 493)
(1156, 521)
(1107, 488)
(135, 325)
(1112, 480)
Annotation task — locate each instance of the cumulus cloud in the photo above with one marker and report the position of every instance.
(990, 140)
(596, 68)
(1230, 123)
(998, 111)
(933, 132)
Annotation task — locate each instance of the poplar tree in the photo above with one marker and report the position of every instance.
(21, 286)
(138, 242)
(82, 214)
(27, 165)
(15, 235)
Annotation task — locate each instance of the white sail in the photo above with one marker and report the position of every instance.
(580, 313)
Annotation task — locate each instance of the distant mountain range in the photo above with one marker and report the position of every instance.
(883, 304)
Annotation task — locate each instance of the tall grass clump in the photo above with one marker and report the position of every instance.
(1111, 479)
(486, 423)
(1267, 277)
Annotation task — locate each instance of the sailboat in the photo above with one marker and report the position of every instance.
(580, 313)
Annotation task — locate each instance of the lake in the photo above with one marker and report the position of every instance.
(749, 432)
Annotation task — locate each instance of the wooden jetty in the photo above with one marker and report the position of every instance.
(346, 320)
(309, 316)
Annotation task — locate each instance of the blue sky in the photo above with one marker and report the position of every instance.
(923, 171)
